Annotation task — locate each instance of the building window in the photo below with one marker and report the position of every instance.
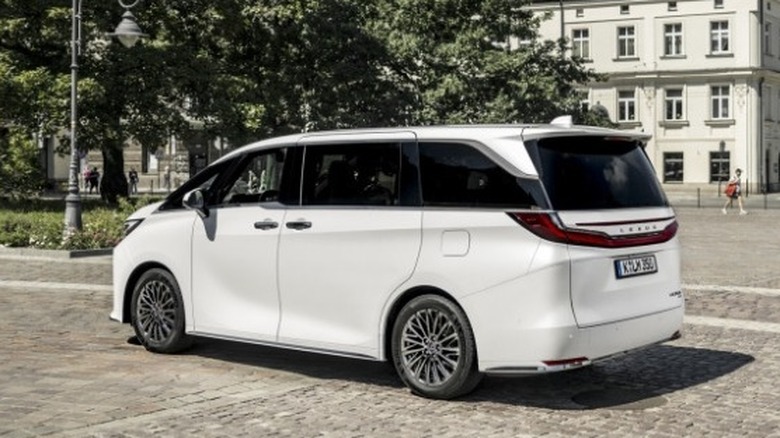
(672, 6)
(720, 101)
(580, 43)
(673, 167)
(768, 38)
(626, 106)
(719, 166)
(580, 12)
(624, 9)
(584, 100)
(767, 101)
(719, 37)
(718, 4)
(626, 42)
(674, 104)
(673, 39)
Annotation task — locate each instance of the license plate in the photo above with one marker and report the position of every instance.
(634, 266)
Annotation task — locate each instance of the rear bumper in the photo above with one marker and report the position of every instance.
(554, 347)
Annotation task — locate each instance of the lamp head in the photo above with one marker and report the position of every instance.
(127, 32)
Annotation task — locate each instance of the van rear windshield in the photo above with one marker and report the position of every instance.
(593, 173)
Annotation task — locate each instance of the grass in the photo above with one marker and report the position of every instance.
(39, 223)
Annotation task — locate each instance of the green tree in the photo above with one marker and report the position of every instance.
(244, 70)
(470, 61)
(20, 174)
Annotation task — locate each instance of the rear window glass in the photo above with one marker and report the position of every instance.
(457, 175)
(588, 173)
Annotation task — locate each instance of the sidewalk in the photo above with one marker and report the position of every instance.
(709, 197)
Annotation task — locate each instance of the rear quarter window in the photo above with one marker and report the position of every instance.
(459, 175)
(592, 173)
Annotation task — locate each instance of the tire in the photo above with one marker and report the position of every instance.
(157, 313)
(433, 348)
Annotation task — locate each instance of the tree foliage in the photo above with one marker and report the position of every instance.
(20, 174)
(244, 70)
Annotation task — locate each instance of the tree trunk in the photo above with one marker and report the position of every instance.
(113, 183)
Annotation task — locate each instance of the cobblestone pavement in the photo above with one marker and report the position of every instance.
(66, 370)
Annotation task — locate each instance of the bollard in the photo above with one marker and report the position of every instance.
(698, 197)
(151, 186)
(765, 200)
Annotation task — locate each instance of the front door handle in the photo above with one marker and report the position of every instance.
(266, 225)
(298, 225)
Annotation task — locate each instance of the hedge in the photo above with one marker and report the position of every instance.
(39, 223)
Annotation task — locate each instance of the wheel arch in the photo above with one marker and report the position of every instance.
(400, 302)
(131, 282)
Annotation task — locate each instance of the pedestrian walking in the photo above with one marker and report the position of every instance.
(133, 177)
(94, 178)
(734, 191)
(85, 175)
(167, 178)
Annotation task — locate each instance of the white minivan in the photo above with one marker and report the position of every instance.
(452, 251)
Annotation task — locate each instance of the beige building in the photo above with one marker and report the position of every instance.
(701, 76)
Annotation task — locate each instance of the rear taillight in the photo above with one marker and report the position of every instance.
(547, 226)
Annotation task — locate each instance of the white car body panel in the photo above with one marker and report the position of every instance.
(335, 276)
(165, 242)
(234, 273)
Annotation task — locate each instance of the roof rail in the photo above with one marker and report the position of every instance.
(563, 121)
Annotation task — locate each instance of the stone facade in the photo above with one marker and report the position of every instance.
(701, 76)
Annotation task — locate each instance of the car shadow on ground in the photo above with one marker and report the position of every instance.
(319, 366)
(634, 381)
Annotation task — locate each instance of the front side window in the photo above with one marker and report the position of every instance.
(720, 101)
(352, 174)
(626, 106)
(673, 167)
(257, 179)
(204, 181)
(459, 175)
(719, 37)
(674, 104)
(581, 43)
(593, 173)
(673, 39)
(626, 42)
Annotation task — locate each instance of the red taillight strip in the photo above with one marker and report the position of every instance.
(546, 226)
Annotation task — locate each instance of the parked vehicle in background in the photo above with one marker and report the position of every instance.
(451, 251)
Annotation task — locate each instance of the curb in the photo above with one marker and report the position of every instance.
(56, 253)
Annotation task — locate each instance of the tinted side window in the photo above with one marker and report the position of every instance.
(588, 173)
(203, 180)
(352, 174)
(256, 179)
(458, 175)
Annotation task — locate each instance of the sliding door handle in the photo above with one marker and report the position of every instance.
(298, 225)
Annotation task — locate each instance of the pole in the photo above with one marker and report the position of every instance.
(73, 200)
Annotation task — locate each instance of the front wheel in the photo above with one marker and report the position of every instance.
(158, 313)
(433, 348)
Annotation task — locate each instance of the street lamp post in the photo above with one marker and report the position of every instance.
(128, 34)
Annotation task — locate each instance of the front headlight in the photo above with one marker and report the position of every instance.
(130, 225)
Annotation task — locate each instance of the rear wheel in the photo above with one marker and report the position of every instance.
(158, 313)
(433, 348)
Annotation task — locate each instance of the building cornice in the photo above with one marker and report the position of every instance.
(692, 74)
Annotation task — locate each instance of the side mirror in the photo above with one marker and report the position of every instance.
(195, 200)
